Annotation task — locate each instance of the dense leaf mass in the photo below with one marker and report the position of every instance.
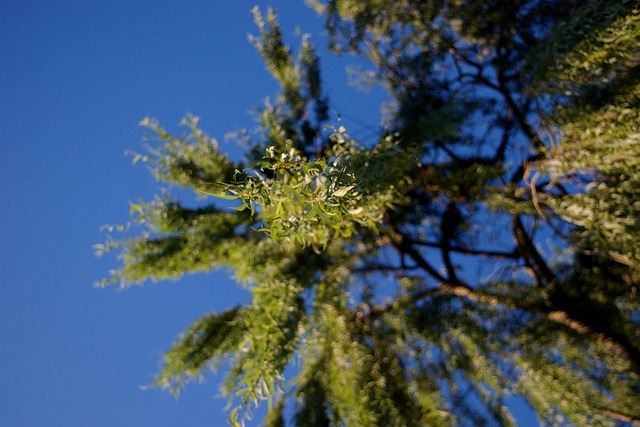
(484, 246)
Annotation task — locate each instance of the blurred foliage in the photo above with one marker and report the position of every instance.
(483, 248)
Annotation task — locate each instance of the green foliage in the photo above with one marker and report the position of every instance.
(310, 202)
(192, 161)
(275, 418)
(483, 247)
(192, 240)
(600, 125)
(201, 346)
(599, 40)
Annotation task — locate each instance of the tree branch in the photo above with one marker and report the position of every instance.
(529, 252)
(620, 416)
(469, 251)
(382, 268)
(450, 219)
(500, 152)
(608, 340)
(562, 317)
(405, 247)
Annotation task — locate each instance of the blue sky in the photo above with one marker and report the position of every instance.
(75, 79)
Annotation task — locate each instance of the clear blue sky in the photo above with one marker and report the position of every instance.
(75, 79)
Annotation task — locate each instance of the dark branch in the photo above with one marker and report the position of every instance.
(450, 220)
(469, 251)
(380, 268)
(530, 254)
(405, 248)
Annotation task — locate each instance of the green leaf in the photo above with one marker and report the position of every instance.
(342, 191)
(218, 195)
(240, 208)
(134, 208)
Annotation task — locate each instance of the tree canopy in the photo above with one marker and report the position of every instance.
(484, 246)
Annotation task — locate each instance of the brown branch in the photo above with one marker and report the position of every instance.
(620, 416)
(608, 340)
(562, 317)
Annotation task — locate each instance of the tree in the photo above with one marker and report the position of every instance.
(484, 246)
